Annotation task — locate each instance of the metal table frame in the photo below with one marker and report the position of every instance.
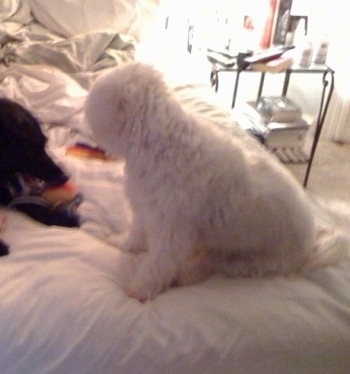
(326, 95)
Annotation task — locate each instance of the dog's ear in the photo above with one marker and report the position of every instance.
(18, 125)
(137, 130)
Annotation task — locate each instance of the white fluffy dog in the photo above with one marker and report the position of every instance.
(202, 201)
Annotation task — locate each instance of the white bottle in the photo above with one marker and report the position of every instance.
(321, 55)
(306, 56)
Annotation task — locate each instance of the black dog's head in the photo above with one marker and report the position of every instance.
(22, 146)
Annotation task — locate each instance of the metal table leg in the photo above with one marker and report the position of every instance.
(261, 85)
(214, 78)
(286, 82)
(235, 90)
(328, 77)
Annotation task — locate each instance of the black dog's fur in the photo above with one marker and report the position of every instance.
(22, 150)
(22, 147)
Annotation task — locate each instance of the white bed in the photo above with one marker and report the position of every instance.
(61, 307)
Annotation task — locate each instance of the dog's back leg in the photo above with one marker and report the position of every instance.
(207, 263)
(196, 270)
(259, 264)
(135, 240)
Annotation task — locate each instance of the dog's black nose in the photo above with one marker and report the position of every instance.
(41, 166)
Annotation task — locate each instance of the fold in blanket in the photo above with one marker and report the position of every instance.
(91, 52)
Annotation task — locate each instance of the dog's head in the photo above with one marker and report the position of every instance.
(124, 104)
(22, 145)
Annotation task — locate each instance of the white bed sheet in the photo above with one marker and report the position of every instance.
(62, 309)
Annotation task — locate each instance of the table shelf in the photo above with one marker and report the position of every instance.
(327, 75)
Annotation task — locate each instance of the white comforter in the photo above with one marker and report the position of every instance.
(62, 310)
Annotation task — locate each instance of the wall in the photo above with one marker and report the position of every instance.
(334, 19)
(326, 20)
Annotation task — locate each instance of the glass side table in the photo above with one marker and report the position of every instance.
(327, 75)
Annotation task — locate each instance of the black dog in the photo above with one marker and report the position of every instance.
(22, 152)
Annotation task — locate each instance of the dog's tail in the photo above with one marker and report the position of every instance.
(332, 242)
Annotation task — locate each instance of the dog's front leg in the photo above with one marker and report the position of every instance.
(167, 253)
(135, 240)
(132, 240)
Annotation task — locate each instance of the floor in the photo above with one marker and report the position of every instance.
(330, 174)
(329, 180)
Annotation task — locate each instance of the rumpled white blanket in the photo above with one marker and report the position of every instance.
(81, 56)
(62, 309)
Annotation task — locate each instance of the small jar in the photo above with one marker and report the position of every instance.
(306, 56)
(321, 55)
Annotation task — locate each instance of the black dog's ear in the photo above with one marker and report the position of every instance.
(16, 122)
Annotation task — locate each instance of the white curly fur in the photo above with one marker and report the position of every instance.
(202, 201)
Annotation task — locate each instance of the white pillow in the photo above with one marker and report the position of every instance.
(8, 8)
(73, 17)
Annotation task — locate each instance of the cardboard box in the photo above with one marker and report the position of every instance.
(282, 135)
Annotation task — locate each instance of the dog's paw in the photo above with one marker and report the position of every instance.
(132, 248)
(143, 292)
(141, 295)
(133, 244)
